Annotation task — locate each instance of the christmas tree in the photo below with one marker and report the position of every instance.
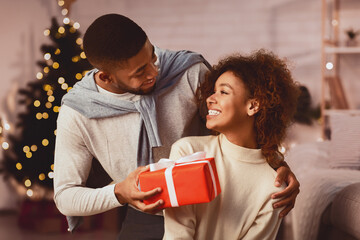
(30, 156)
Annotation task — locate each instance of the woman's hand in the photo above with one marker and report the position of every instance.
(289, 194)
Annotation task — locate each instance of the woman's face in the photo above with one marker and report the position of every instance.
(228, 105)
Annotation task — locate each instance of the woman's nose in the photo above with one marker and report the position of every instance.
(211, 99)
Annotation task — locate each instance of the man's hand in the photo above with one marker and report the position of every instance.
(128, 192)
(289, 194)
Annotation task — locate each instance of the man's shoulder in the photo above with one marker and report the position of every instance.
(68, 115)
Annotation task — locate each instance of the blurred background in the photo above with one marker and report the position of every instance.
(41, 58)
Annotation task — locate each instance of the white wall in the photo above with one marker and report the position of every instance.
(291, 28)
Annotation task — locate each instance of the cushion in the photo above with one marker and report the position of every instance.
(345, 139)
(345, 210)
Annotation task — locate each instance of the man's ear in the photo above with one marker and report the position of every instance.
(103, 77)
(253, 107)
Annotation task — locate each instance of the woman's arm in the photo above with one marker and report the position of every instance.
(180, 223)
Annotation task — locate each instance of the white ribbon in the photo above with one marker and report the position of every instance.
(170, 164)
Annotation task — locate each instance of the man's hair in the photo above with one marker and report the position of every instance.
(112, 39)
(269, 81)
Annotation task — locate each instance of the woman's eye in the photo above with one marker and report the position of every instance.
(223, 92)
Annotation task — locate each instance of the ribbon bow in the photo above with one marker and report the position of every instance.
(194, 158)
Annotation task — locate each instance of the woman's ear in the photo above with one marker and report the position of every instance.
(253, 107)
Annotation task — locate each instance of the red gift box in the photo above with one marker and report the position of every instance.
(183, 183)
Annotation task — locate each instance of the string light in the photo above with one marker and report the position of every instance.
(26, 149)
(329, 65)
(39, 75)
(51, 98)
(7, 126)
(38, 116)
(45, 115)
(61, 3)
(41, 176)
(29, 192)
(48, 105)
(56, 109)
(52, 167)
(78, 76)
(61, 30)
(37, 103)
(1, 129)
(46, 87)
(79, 41)
(64, 12)
(57, 51)
(47, 32)
(66, 20)
(5, 145)
(282, 149)
(50, 92)
(56, 65)
(28, 154)
(72, 30)
(76, 25)
(55, 129)
(33, 148)
(27, 183)
(82, 55)
(61, 80)
(51, 175)
(75, 58)
(45, 142)
(18, 166)
(69, 89)
(46, 69)
(334, 22)
(47, 56)
(64, 86)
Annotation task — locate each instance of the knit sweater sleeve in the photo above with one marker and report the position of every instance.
(73, 162)
(266, 224)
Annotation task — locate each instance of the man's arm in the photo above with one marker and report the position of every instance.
(289, 194)
(72, 166)
(73, 161)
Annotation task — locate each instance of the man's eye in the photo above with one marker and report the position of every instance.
(139, 74)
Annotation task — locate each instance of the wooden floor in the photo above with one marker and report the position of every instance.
(10, 230)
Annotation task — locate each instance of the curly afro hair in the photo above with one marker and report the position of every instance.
(269, 81)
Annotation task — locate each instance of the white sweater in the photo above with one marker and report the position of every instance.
(243, 209)
(113, 141)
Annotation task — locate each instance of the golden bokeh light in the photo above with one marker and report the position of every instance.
(48, 105)
(18, 166)
(27, 183)
(26, 149)
(33, 148)
(45, 142)
(41, 176)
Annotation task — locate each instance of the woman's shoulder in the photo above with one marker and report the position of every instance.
(196, 140)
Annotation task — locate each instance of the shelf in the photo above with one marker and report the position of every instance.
(343, 50)
(352, 112)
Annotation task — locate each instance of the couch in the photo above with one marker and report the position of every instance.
(328, 205)
(341, 219)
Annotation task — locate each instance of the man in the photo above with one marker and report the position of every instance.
(127, 113)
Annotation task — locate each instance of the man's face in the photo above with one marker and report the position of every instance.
(137, 75)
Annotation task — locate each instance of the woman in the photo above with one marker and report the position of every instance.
(250, 101)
